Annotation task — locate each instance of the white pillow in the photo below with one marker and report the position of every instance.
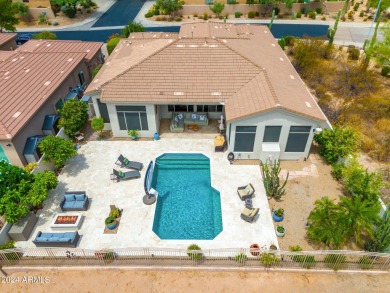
(180, 116)
(201, 117)
(193, 116)
(176, 119)
(247, 189)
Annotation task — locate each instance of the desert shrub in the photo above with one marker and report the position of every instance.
(195, 15)
(69, 11)
(365, 262)
(257, 14)
(149, 14)
(343, 18)
(335, 261)
(356, 6)
(361, 14)
(277, 10)
(312, 15)
(337, 143)
(290, 40)
(45, 35)
(385, 69)
(354, 54)
(88, 10)
(319, 10)
(178, 19)
(302, 10)
(111, 44)
(282, 43)
(337, 171)
(350, 15)
(269, 259)
(299, 14)
(237, 14)
(240, 257)
(251, 14)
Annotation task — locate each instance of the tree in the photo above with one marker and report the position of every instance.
(132, 27)
(337, 143)
(73, 116)
(324, 223)
(359, 217)
(43, 182)
(385, 4)
(111, 44)
(45, 35)
(289, 4)
(169, 7)
(22, 9)
(97, 124)
(57, 150)
(8, 12)
(268, 5)
(217, 7)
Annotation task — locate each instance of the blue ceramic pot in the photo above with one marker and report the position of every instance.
(156, 136)
(112, 226)
(276, 218)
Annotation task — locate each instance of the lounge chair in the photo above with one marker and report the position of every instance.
(249, 214)
(245, 192)
(125, 163)
(119, 175)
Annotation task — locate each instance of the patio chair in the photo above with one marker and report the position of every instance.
(118, 175)
(125, 163)
(249, 214)
(245, 192)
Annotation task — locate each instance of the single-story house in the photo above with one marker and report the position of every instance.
(35, 81)
(8, 41)
(205, 71)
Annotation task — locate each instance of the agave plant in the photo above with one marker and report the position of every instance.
(271, 180)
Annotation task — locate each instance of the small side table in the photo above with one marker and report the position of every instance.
(248, 203)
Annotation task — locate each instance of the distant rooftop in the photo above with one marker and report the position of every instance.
(240, 66)
(5, 37)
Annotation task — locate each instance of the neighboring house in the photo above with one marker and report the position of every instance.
(7, 42)
(35, 80)
(211, 69)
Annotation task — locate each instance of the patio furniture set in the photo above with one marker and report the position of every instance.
(126, 163)
(72, 201)
(193, 120)
(246, 193)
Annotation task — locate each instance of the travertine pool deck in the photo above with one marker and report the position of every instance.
(90, 171)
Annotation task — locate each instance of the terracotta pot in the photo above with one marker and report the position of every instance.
(254, 247)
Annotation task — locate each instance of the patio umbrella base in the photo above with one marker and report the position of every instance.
(149, 199)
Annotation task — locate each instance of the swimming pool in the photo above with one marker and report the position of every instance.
(2, 155)
(188, 207)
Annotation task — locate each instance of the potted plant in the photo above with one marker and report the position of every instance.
(192, 252)
(254, 249)
(111, 223)
(273, 247)
(133, 133)
(280, 231)
(108, 256)
(278, 215)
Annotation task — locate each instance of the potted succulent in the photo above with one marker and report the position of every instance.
(273, 247)
(278, 215)
(192, 252)
(111, 223)
(280, 231)
(133, 133)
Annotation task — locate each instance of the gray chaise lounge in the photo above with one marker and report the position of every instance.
(249, 214)
(49, 239)
(74, 201)
(119, 175)
(245, 192)
(126, 163)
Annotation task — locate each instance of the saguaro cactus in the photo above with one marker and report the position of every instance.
(271, 180)
(332, 31)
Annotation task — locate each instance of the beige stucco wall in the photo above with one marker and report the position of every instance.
(9, 46)
(11, 153)
(36, 12)
(199, 7)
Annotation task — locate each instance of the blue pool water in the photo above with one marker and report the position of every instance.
(188, 207)
(2, 155)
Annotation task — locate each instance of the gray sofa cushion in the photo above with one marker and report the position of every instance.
(54, 238)
(79, 197)
(69, 204)
(69, 235)
(41, 239)
(78, 204)
(69, 197)
(46, 235)
(65, 239)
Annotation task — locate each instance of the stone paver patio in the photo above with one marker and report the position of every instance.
(90, 171)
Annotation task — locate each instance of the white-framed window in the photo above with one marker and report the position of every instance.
(132, 117)
(245, 139)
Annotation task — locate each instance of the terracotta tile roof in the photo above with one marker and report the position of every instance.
(5, 37)
(59, 46)
(4, 55)
(239, 65)
(26, 81)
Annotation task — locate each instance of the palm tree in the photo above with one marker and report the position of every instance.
(359, 216)
(325, 225)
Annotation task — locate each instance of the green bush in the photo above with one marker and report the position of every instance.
(337, 170)
(69, 11)
(277, 10)
(149, 14)
(45, 35)
(269, 259)
(217, 7)
(319, 10)
(241, 257)
(251, 14)
(312, 15)
(282, 43)
(350, 15)
(96, 70)
(337, 143)
(306, 261)
(132, 27)
(194, 255)
(335, 261)
(8, 245)
(356, 6)
(299, 14)
(42, 19)
(111, 44)
(302, 10)
(237, 14)
(365, 262)
(361, 14)
(57, 150)
(73, 116)
(354, 54)
(205, 16)
(385, 70)
(290, 40)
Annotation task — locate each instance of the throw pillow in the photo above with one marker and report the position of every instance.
(180, 116)
(121, 174)
(125, 161)
(69, 197)
(79, 197)
(201, 117)
(193, 116)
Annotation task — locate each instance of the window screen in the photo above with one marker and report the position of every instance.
(272, 133)
(297, 139)
(245, 138)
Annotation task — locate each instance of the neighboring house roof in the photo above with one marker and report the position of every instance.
(27, 80)
(5, 37)
(240, 66)
(4, 55)
(54, 46)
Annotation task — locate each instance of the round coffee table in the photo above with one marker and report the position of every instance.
(248, 203)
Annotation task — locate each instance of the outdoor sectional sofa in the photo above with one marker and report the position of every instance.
(49, 239)
(179, 120)
(74, 201)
